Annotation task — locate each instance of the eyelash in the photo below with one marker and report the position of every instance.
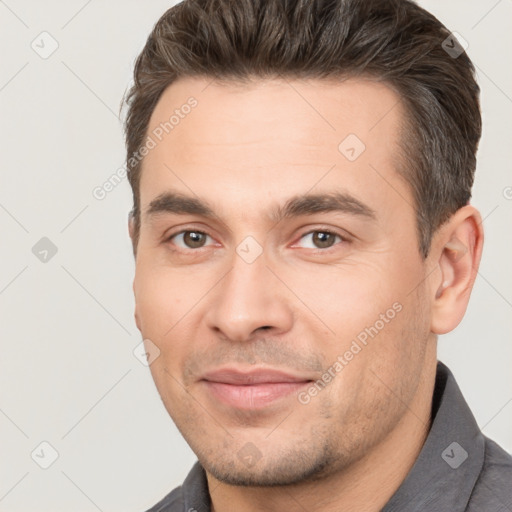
(343, 238)
(183, 231)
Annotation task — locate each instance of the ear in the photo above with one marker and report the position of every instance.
(457, 250)
(131, 232)
(131, 225)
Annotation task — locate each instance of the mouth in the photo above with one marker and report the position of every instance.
(252, 390)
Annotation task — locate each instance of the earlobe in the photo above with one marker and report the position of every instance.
(459, 249)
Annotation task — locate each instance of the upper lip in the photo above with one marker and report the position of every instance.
(248, 377)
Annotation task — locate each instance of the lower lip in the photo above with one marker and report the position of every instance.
(253, 396)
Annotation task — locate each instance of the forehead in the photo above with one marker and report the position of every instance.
(273, 135)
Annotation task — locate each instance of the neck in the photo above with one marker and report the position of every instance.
(365, 486)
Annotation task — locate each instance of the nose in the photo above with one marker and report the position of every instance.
(249, 298)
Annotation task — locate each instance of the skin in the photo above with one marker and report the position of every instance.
(245, 149)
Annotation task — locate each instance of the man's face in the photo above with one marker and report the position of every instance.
(256, 300)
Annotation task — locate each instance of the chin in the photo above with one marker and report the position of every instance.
(289, 469)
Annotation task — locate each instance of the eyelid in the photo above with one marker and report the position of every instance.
(176, 230)
(320, 229)
(168, 237)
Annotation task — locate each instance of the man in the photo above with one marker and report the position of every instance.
(301, 174)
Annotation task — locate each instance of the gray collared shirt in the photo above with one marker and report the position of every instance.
(458, 469)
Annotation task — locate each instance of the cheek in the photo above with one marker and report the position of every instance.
(163, 298)
(373, 319)
(347, 298)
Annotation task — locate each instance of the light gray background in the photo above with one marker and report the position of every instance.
(68, 375)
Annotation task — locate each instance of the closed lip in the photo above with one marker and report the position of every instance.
(251, 389)
(240, 377)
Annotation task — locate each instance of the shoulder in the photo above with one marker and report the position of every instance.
(191, 496)
(173, 502)
(493, 489)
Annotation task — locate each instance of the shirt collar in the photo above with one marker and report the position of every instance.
(444, 474)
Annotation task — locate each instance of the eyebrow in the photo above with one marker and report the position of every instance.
(308, 204)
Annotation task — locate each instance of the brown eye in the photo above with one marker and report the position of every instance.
(189, 239)
(320, 239)
(194, 239)
(323, 239)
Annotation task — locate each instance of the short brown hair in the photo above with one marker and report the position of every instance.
(395, 41)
